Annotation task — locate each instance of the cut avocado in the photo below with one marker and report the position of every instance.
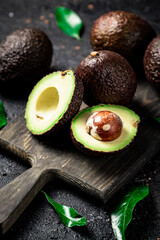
(87, 144)
(53, 101)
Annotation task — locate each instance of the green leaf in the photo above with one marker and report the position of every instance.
(157, 119)
(68, 215)
(3, 120)
(122, 215)
(69, 22)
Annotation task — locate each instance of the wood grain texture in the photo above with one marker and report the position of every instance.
(57, 157)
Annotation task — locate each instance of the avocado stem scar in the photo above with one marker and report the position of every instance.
(93, 53)
(64, 73)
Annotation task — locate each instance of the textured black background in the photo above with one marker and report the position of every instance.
(40, 221)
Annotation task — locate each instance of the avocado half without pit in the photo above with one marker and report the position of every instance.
(104, 129)
(53, 102)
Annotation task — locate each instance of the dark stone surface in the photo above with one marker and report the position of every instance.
(40, 221)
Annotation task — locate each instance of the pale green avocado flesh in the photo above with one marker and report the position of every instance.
(49, 101)
(129, 119)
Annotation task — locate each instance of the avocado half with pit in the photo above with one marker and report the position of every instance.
(91, 146)
(53, 102)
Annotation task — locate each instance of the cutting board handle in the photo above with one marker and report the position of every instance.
(15, 196)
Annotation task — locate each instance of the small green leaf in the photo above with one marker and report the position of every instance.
(122, 215)
(157, 119)
(68, 215)
(3, 120)
(69, 22)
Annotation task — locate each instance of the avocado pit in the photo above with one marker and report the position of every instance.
(104, 126)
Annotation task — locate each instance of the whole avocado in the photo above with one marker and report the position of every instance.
(152, 62)
(107, 78)
(25, 55)
(122, 32)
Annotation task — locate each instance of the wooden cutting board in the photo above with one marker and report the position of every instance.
(57, 157)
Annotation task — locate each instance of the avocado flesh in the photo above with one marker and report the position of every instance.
(130, 122)
(48, 101)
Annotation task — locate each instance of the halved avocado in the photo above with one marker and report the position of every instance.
(53, 102)
(87, 144)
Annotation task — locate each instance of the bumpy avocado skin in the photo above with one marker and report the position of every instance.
(122, 32)
(25, 54)
(152, 62)
(107, 78)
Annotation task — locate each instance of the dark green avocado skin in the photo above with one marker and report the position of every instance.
(107, 78)
(151, 62)
(25, 55)
(122, 32)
